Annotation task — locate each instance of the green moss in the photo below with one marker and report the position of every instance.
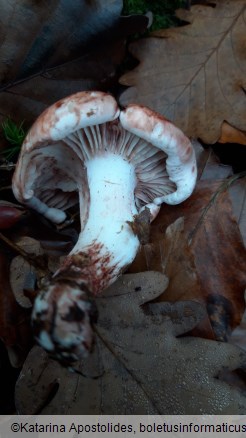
(163, 11)
(15, 135)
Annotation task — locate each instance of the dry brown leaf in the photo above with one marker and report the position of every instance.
(211, 269)
(195, 74)
(229, 134)
(216, 259)
(238, 197)
(178, 264)
(210, 168)
(142, 367)
(219, 254)
(213, 169)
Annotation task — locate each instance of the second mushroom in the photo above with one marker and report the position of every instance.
(117, 164)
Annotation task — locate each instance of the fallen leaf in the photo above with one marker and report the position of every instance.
(139, 366)
(204, 257)
(194, 74)
(238, 198)
(23, 275)
(15, 330)
(213, 169)
(45, 22)
(199, 271)
(178, 264)
(229, 134)
(66, 47)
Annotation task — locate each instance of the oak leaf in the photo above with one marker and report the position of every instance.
(238, 198)
(65, 47)
(229, 134)
(198, 246)
(208, 268)
(139, 365)
(194, 74)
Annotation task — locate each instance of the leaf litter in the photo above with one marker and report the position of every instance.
(205, 278)
(195, 74)
(127, 327)
(66, 48)
(208, 268)
(141, 365)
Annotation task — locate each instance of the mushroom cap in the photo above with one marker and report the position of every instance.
(164, 135)
(51, 169)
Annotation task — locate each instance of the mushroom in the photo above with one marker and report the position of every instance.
(118, 165)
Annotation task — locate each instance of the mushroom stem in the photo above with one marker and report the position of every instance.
(120, 163)
(107, 243)
(63, 314)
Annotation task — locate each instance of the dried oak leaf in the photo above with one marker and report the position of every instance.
(195, 74)
(229, 134)
(66, 47)
(238, 198)
(171, 255)
(141, 365)
(203, 257)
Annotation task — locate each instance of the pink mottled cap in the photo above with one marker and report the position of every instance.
(164, 135)
(71, 114)
(51, 169)
(47, 171)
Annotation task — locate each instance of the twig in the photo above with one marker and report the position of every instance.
(224, 186)
(9, 166)
(5, 188)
